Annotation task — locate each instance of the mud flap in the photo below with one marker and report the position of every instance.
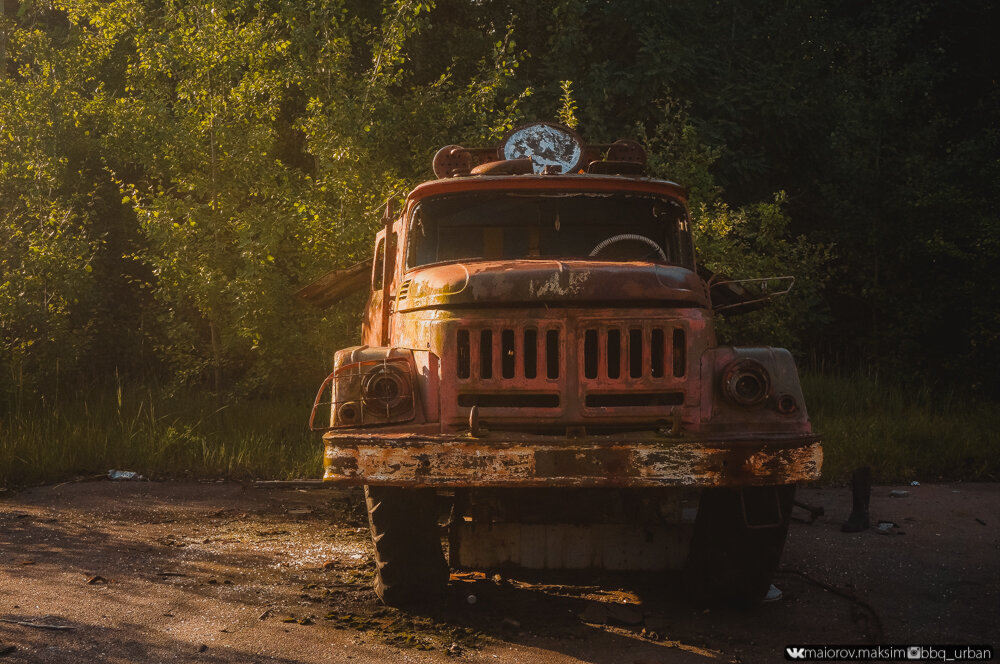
(738, 538)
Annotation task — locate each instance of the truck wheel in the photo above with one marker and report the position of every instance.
(409, 565)
(738, 538)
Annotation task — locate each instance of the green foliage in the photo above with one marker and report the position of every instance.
(903, 431)
(172, 172)
(752, 241)
(249, 149)
(567, 112)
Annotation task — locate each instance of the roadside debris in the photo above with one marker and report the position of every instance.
(25, 623)
(914, 483)
(887, 528)
(773, 594)
(898, 493)
(124, 475)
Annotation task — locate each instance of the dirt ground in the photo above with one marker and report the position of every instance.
(220, 572)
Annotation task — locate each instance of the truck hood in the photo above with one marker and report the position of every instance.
(527, 282)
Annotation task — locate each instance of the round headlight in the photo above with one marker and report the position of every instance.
(746, 382)
(386, 391)
(348, 413)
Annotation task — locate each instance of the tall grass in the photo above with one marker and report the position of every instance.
(903, 432)
(157, 435)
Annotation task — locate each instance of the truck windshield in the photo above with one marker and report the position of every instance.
(523, 225)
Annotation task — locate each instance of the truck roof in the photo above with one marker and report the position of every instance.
(583, 182)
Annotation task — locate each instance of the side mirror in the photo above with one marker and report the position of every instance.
(747, 294)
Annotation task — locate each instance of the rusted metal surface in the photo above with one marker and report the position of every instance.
(639, 460)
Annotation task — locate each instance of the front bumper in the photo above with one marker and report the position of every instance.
(504, 459)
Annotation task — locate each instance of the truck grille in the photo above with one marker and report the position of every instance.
(606, 353)
(615, 353)
(507, 353)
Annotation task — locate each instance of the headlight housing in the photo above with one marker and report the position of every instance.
(369, 386)
(377, 392)
(746, 383)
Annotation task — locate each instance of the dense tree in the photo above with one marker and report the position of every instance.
(172, 171)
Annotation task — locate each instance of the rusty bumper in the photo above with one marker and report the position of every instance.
(502, 460)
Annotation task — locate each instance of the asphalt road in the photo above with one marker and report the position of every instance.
(218, 572)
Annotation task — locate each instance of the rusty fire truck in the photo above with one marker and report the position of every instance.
(538, 349)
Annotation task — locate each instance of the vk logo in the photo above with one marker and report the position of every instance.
(795, 653)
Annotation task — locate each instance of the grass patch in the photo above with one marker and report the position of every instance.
(191, 435)
(902, 432)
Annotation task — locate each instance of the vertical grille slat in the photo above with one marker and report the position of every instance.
(486, 354)
(530, 353)
(635, 353)
(613, 352)
(656, 352)
(464, 368)
(552, 354)
(508, 359)
(591, 355)
(680, 352)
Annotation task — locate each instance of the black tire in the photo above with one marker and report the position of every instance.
(409, 565)
(731, 563)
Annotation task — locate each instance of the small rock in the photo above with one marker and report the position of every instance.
(594, 613)
(625, 614)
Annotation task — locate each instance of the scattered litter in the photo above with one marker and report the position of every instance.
(94, 580)
(888, 528)
(650, 634)
(471, 599)
(773, 594)
(266, 614)
(980, 521)
(898, 493)
(124, 475)
(914, 483)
